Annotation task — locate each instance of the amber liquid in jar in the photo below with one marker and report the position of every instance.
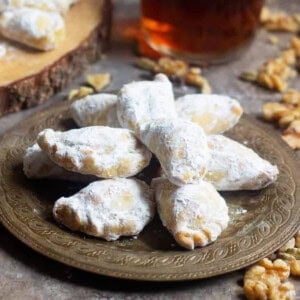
(204, 30)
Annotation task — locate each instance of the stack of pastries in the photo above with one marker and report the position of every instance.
(117, 137)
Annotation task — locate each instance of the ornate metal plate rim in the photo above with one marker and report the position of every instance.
(140, 274)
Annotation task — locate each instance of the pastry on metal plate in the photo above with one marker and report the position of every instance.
(37, 165)
(214, 113)
(97, 150)
(98, 109)
(233, 166)
(195, 214)
(108, 208)
(181, 148)
(142, 102)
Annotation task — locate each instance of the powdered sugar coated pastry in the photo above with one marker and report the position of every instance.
(142, 102)
(36, 164)
(60, 6)
(108, 209)
(181, 148)
(3, 50)
(235, 167)
(33, 27)
(195, 214)
(98, 109)
(97, 150)
(214, 113)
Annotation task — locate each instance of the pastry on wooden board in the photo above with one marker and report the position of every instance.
(28, 77)
(59, 6)
(34, 28)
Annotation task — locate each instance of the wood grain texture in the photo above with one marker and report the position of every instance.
(40, 86)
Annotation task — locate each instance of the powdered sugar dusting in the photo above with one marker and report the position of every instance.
(145, 101)
(97, 150)
(181, 148)
(215, 113)
(36, 164)
(108, 208)
(98, 109)
(195, 210)
(3, 50)
(233, 166)
(60, 6)
(33, 27)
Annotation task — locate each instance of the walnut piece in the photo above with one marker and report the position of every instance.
(295, 252)
(172, 67)
(278, 21)
(80, 93)
(176, 69)
(295, 267)
(265, 280)
(98, 81)
(292, 134)
(272, 81)
(287, 114)
(291, 97)
(274, 73)
(249, 76)
(290, 244)
(297, 239)
(274, 111)
(273, 40)
(293, 140)
(295, 44)
(198, 81)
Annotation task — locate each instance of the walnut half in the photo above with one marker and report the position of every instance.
(267, 281)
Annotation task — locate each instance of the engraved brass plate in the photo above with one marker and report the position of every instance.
(260, 221)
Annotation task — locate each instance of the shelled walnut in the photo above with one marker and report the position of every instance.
(80, 93)
(287, 115)
(176, 69)
(267, 280)
(274, 73)
(279, 20)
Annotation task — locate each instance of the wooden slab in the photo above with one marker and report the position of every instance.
(29, 77)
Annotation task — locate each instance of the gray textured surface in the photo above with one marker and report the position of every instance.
(27, 275)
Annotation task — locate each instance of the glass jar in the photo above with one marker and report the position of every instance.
(200, 30)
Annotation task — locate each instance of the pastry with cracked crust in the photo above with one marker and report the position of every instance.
(214, 113)
(233, 166)
(195, 214)
(37, 165)
(181, 148)
(108, 208)
(142, 102)
(98, 109)
(97, 150)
